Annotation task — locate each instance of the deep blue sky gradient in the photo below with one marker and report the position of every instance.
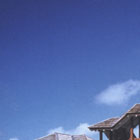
(56, 55)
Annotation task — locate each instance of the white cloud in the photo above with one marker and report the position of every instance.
(80, 129)
(13, 139)
(119, 93)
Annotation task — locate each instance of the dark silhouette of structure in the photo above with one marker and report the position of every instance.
(120, 128)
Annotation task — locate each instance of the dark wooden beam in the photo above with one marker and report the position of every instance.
(101, 135)
(131, 129)
(110, 135)
(139, 127)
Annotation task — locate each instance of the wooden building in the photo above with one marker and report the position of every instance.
(120, 128)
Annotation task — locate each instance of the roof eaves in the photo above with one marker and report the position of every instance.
(93, 127)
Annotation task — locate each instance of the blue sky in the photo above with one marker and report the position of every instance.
(66, 64)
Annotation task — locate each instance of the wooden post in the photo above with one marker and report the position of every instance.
(110, 135)
(101, 135)
(131, 133)
(139, 127)
(131, 130)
